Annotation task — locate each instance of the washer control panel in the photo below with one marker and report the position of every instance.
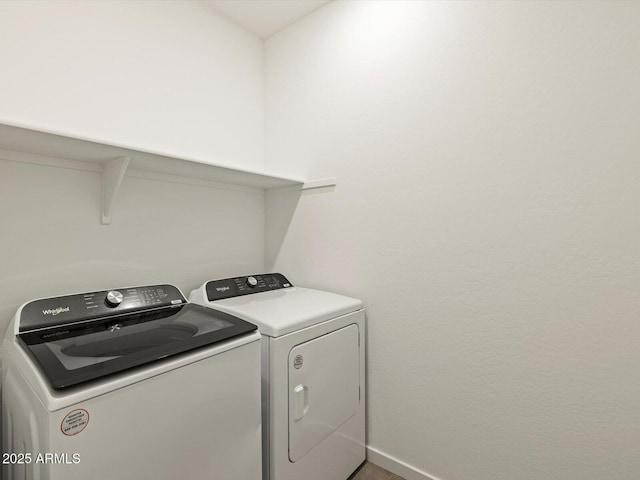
(238, 286)
(48, 312)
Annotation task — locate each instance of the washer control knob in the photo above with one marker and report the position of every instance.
(114, 298)
(252, 282)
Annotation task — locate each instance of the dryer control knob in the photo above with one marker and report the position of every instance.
(252, 282)
(114, 298)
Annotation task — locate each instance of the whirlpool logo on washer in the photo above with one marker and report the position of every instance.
(55, 311)
(222, 289)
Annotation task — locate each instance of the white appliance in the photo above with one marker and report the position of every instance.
(130, 384)
(313, 380)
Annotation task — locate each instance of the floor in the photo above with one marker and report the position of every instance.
(371, 471)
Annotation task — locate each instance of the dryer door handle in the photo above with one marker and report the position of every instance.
(300, 402)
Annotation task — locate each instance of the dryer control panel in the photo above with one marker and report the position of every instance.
(48, 312)
(238, 286)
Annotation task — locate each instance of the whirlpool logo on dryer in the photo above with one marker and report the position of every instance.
(55, 311)
(222, 289)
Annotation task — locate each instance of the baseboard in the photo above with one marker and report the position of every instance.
(396, 466)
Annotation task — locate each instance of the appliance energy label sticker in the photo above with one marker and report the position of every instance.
(74, 422)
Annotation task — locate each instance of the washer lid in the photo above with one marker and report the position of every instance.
(70, 354)
(279, 312)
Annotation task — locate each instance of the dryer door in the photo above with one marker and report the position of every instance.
(324, 388)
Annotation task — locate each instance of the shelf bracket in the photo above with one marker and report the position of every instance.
(112, 175)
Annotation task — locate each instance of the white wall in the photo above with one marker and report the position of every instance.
(169, 76)
(487, 213)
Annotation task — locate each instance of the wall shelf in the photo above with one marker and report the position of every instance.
(26, 144)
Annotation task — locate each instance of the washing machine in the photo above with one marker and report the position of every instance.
(134, 383)
(313, 373)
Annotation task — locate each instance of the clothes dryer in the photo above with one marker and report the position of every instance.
(130, 384)
(313, 373)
